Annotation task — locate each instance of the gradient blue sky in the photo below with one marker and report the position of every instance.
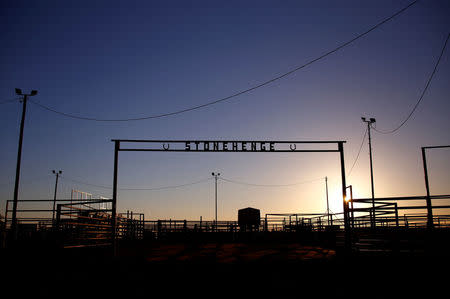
(121, 59)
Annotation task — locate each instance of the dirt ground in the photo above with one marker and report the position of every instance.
(230, 253)
(202, 269)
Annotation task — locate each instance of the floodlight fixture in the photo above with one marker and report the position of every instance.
(20, 93)
(372, 120)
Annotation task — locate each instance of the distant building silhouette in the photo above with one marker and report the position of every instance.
(249, 219)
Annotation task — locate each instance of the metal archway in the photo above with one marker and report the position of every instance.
(229, 146)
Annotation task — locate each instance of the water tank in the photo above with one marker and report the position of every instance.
(249, 219)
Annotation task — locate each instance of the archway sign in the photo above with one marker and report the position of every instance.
(226, 146)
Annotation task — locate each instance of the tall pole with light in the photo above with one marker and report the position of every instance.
(56, 173)
(19, 158)
(216, 176)
(328, 206)
(369, 124)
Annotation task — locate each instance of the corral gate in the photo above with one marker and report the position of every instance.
(228, 146)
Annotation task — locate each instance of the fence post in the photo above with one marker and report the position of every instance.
(159, 227)
(396, 215)
(265, 224)
(58, 215)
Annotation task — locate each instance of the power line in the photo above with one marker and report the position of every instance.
(167, 187)
(138, 189)
(237, 93)
(268, 185)
(84, 183)
(359, 151)
(188, 184)
(421, 96)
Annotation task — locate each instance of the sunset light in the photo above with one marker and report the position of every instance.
(223, 143)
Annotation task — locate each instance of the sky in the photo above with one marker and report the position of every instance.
(130, 59)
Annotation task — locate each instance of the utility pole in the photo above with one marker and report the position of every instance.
(372, 214)
(57, 173)
(328, 207)
(19, 158)
(216, 175)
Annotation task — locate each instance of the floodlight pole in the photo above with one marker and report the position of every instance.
(328, 206)
(216, 175)
(19, 158)
(57, 173)
(372, 214)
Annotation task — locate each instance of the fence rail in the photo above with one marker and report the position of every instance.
(73, 223)
(89, 222)
(390, 211)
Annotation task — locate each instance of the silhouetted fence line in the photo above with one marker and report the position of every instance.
(270, 223)
(303, 222)
(73, 223)
(388, 212)
(173, 226)
(81, 223)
